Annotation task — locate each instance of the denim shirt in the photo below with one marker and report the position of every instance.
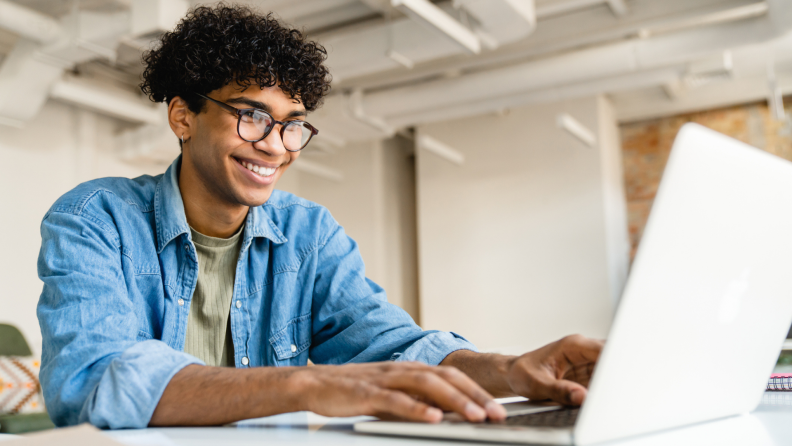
(119, 270)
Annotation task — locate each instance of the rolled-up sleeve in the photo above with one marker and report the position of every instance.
(94, 366)
(352, 319)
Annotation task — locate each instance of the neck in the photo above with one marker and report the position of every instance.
(205, 211)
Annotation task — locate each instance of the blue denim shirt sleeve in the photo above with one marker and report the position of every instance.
(353, 321)
(95, 368)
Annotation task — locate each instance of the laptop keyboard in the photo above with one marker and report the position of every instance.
(554, 418)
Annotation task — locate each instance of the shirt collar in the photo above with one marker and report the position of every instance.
(171, 221)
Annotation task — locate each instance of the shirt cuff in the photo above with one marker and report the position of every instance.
(433, 348)
(133, 384)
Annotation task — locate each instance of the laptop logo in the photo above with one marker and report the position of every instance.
(731, 301)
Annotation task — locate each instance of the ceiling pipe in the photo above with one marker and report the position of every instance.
(28, 23)
(588, 88)
(729, 15)
(593, 63)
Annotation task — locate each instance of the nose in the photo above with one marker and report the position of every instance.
(272, 145)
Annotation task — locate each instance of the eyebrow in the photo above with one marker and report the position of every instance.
(256, 104)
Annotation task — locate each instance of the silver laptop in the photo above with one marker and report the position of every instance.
(703, 316)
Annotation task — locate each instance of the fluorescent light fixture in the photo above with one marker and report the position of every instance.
(440, 149)
(576, 129)
(426, 12)
(401, 59)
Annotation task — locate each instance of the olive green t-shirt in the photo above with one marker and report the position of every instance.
(208, 326)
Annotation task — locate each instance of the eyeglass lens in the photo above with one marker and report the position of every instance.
(253, 125)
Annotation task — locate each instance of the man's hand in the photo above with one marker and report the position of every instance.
(200, 395)
(411, 391)
(559, 371)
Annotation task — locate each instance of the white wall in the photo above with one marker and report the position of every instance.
(375, 203)
(59, 149)
(513, 245)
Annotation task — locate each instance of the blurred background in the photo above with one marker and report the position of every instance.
(496, 160)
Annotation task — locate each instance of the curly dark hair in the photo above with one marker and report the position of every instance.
(214, 46)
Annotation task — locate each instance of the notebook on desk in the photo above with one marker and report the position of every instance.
(780, 381)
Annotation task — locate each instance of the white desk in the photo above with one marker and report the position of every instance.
(771, 424)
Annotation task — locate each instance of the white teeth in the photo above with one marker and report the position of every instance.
(260, 170)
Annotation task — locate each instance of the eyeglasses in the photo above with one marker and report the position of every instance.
(255, 124)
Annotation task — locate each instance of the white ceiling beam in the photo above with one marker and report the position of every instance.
(25, 80)
(381, 6)
(28, 23)
(292, 9)
(564, 6)
(427, 13)
(115, 102)
(360, 61)
(653, 103)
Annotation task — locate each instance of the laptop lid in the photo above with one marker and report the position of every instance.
(709, 299)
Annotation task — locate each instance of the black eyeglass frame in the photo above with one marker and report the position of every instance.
(241, 111)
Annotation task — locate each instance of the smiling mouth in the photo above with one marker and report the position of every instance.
(261, 171)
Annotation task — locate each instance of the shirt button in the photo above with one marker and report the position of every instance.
(239, 304)
(186, 247)
(245, 361)
(294, 348)
(181, 302)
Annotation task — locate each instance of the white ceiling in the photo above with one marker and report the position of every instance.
(654, 58)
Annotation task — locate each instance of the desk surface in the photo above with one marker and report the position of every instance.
(770, 424)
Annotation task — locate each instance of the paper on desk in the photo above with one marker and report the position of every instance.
(140, 437)
(82, 435)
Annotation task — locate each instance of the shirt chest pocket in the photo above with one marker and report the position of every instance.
(291, 341)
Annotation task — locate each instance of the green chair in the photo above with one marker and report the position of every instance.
(13, 343)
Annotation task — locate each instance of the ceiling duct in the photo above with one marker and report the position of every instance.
(408, 42)
(426, 13)
(502, 20)
(685, 56)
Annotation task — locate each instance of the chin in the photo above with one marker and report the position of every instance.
(255, 199)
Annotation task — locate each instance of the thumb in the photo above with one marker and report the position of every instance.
(567, 392)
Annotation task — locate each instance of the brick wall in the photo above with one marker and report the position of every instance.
(647, 144)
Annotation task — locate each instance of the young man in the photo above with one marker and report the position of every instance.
(197, 297)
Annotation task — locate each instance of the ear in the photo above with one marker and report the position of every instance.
(180, 118)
